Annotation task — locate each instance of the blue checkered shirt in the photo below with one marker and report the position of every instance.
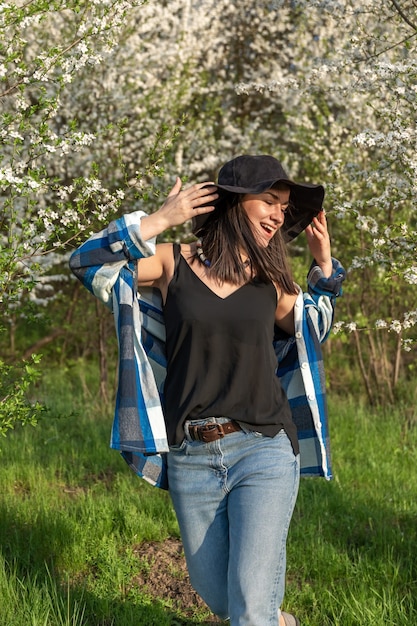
(107, 265)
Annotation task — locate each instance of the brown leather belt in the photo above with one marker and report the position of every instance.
(212, 432)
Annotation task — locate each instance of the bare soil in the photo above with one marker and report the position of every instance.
(163, 575)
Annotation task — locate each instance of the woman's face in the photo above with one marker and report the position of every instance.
(266, 212)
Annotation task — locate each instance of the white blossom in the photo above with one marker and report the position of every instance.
(396, 326)
(332, 78)
(337, 327)
(410, 275)
(407, 344)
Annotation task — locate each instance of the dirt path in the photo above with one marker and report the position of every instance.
(164, 575)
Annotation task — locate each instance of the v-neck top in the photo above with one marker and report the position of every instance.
(220, 356)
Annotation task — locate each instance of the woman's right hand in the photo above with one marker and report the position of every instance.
(180, 206)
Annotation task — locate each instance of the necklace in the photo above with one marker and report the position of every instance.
(201, 254)
(205, 261)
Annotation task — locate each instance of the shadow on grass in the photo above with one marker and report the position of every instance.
(31, 552)
(361, 532)
(353, 522)
(358, 548)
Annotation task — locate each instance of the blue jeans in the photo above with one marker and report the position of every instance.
(234, 500)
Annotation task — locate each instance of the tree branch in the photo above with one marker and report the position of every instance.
(403, 15)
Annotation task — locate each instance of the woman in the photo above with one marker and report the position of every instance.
(238, 366)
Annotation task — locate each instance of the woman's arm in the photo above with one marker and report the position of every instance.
(98, 262)
(179, 207)
(284, 315)
(319, 243)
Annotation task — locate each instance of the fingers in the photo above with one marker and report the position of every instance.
(200, 195)
(317, 233)
(176, 188)
(318, 227)
(320, 219)
(206, 196)
(201, 190)
(182, 205)
(318, 240)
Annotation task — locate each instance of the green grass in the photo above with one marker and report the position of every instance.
(353, 544)
(71, 513)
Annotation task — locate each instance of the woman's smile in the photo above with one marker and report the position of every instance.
(266, 212)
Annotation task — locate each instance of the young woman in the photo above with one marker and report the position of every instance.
(220, 366)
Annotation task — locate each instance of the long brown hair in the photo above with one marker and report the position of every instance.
(226, 232)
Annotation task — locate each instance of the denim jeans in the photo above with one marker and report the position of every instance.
(234, 500)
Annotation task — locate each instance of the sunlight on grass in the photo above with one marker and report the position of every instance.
(358, 533)
(72, 512)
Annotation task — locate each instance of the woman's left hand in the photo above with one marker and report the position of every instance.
(318, 240)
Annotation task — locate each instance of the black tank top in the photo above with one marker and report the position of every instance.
(220, 357)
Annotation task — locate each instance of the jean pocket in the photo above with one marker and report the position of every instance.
(250, 432)
(178, 447)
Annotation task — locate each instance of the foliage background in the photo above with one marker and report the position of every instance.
(104, 103)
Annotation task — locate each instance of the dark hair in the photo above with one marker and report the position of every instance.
(226, 232)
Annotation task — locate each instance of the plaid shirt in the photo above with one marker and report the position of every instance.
(107, 265)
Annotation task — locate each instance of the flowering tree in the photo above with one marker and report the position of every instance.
(349, 102)
(103, 103)
(330, 89)
(372, 180)
(49, 185)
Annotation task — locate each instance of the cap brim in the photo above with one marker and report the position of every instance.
(306, 203)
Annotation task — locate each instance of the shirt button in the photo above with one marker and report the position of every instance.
(298, 334)
(304, 365)
(310, 397)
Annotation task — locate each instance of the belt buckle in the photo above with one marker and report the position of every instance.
(207, 432)
(210, 432)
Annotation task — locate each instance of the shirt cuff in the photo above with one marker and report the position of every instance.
(124, 235)
(321, 285)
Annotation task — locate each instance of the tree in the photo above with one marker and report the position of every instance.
(350, 112)
(46, 200)
(105, 103)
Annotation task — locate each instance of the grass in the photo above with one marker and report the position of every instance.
(71, 513)
(352, 551)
